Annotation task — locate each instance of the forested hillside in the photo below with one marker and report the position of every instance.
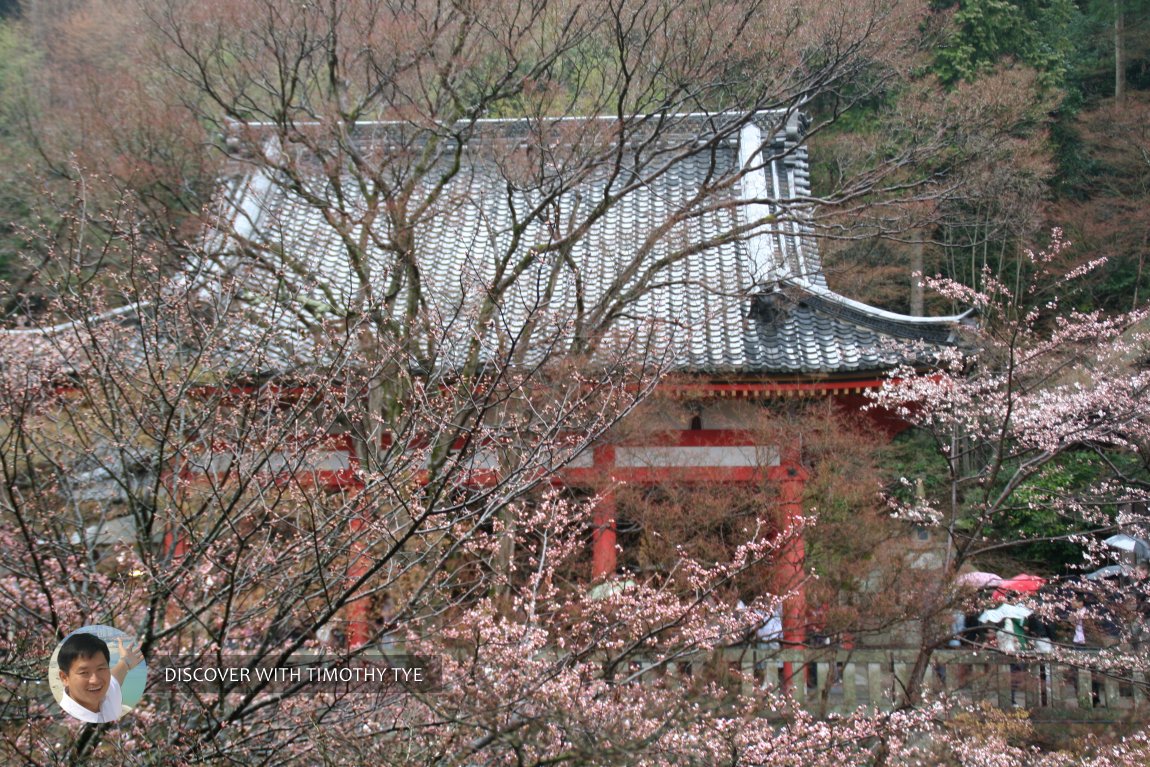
(1076, 158)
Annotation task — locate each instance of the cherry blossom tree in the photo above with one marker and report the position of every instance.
(242, 459)
(247, 536)
(1035, 385)
(152, 482)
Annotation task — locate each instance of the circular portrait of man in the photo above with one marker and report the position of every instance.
(97, 674)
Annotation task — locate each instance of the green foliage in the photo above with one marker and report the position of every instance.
(914, 455)
(1075, 166)
(987, 32)
(18, 59)
(1044, 508)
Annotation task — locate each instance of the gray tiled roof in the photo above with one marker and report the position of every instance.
(742, 292)
(802, 330)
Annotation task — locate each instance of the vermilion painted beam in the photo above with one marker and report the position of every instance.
(653, 475)
(691, 438)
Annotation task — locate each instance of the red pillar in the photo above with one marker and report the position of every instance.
(358, 631)
(174, 545)
(603, 539)
(791, 569)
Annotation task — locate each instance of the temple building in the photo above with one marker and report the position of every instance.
(680, 243)
(685, 237)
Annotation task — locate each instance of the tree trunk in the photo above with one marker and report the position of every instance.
(1119, 54)
(916, 682)
(1141, 267)
(916, 277)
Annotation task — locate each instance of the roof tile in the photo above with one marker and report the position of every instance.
(738, 320)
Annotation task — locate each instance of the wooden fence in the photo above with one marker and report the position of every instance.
(839, 681)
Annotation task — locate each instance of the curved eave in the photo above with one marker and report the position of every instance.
(882, 314)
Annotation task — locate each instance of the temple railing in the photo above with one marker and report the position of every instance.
(825, 681)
